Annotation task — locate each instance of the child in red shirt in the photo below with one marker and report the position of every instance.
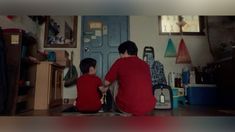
(88, 94)
(134, 94)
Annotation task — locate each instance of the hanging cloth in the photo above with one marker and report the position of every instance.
(183, 54)
(170, 49)
(71, 76)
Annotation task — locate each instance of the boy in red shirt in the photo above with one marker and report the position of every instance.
(135, 87)
(88, 94)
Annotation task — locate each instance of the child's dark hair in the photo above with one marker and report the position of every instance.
(86, 63)
(128, 46)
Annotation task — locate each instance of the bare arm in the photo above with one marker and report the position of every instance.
(106, 83)
(105, 87)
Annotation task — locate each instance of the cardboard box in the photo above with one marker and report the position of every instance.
(64, 62)
(61, 54)
(202, 94)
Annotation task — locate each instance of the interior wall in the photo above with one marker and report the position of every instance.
(21, 22)
(25, 23)
(143, 31)
(69, 92)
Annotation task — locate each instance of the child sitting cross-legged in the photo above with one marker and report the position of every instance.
(88, 94)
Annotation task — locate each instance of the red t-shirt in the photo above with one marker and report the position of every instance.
(88, 96)
(135, 87)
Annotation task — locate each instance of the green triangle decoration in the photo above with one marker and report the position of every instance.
(170, 49)
(183, 54)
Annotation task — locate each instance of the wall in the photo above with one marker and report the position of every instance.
(143, 30)
(21, 22)
(69, 92)
(25, 23)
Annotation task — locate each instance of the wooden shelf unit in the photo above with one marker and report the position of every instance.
(20, 45)
(49, 86)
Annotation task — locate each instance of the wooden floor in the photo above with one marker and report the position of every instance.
(182, 110)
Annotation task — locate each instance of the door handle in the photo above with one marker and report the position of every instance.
(86, 49)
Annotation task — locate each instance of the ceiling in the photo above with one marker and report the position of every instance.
(117, 7)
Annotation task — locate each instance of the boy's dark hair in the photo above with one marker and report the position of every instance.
(86, 63)
(128, 46)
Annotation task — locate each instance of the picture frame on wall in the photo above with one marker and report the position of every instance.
(60, 32)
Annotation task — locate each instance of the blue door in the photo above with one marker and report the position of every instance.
(101, 36)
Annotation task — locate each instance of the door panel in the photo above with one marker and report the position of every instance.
(99, 58)
(112, 57)
(114, 35)
(101, 36)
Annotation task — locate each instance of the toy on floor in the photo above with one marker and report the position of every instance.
(164, 96)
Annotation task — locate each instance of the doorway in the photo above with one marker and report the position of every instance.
(101, 36)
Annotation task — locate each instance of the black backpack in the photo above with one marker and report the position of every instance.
(108, 102)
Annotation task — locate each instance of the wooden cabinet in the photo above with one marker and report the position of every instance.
(48, 92)
(225, 82)
(21, 63)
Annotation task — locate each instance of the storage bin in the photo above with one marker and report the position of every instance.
(175, 102)
(201, 94)
(175, 91)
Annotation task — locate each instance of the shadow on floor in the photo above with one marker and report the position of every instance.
(182, 110)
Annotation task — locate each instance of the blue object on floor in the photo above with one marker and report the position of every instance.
(202, 94)
(175, 102)
(175, 97)
(175, 91)
(181, 100)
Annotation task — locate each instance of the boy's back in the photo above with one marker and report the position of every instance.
(135, 89)
(88, 96)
